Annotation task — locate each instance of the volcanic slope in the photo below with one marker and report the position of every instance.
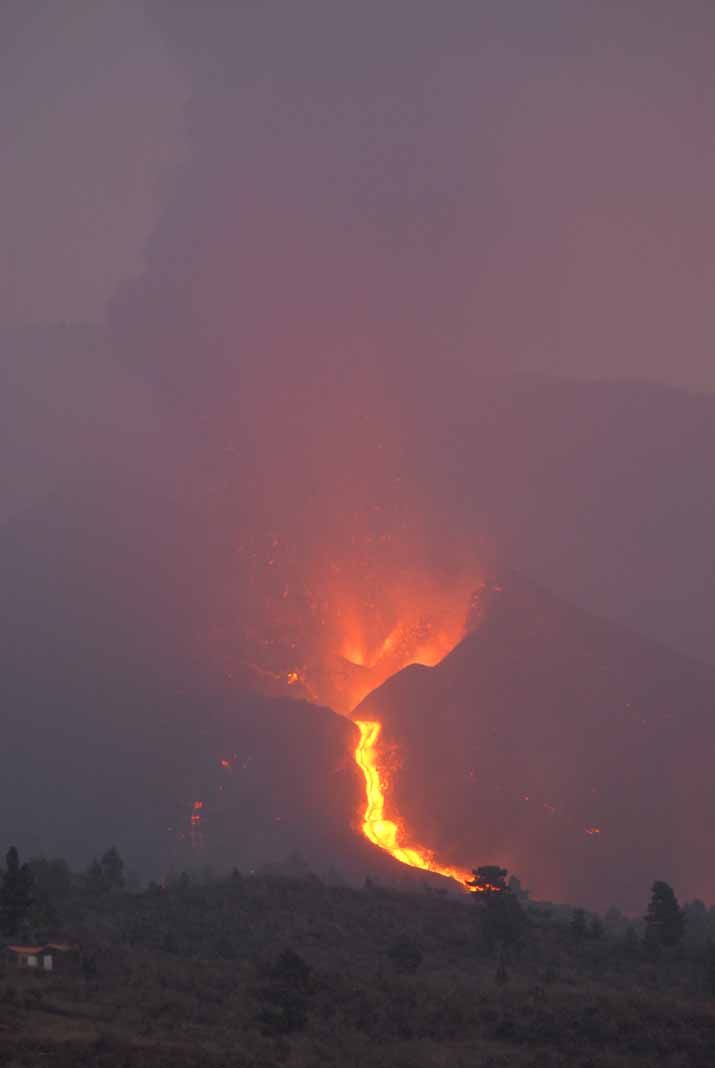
(597, 490)
(98, 753)
(114, 734)
(569, 749)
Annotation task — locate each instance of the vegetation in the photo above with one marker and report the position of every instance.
(665, 922)
(107, 874)
(15, 893)
(260, 971)
(503, 922)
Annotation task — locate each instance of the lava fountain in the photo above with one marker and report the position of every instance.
(426, 643)
(346, 626)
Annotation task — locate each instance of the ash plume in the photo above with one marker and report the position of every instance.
(370, 357)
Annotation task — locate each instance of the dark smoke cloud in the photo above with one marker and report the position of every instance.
(383, 207)
(381, 204)
(399, 184)
(91, 112)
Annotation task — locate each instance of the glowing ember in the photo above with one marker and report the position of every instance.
(384, 833)
(195, 824)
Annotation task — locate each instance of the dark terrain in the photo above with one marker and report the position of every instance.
(562, 744)
(261, 971)
(567, 748)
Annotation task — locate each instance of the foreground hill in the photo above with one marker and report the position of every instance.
(560, 745)
(255, 972)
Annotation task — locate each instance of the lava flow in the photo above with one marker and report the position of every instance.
(382, 832)
(421, 642)
(340, 630)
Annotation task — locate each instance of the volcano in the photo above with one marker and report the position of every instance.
(566, 748)
(563, 746)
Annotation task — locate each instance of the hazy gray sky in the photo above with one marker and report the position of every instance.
(529, 184)
(282, 234)
(91, 115)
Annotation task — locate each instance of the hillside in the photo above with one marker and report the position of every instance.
(597, 490)
(121, 613)
(560, 745)
(545, 725)
(254, 972)
(131, 760)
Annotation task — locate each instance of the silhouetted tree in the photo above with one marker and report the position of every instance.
(596, 929)
(696, 920)
(614, 917)
(52, 886)
(52, 878)
(94, 878)
(106, 874)
(490, 878)
(631, 946)
(113, 869)
(15, 893)
(181, 883)
(665, 921)
(709, 966)
(578, 926)
(503, 920)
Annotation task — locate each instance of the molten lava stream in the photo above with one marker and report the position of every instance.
(382, 832)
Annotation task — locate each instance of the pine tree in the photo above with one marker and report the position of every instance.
(665, 920)
(105, 874)
(630, 943)
(709, 966)
(113, 869)
(489, 879)
(503, 921)
(94, 878)
(578, 925)
(15, 893)
(596, 929)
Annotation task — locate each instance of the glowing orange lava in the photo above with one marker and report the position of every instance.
(427, 629)
(384, 833)
(195, 835)
(353, 618)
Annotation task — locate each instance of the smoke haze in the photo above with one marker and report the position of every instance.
(360, 303)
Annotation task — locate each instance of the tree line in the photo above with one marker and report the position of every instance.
(505, 921)
(32, 894)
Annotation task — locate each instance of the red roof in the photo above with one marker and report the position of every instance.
(33, 951)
